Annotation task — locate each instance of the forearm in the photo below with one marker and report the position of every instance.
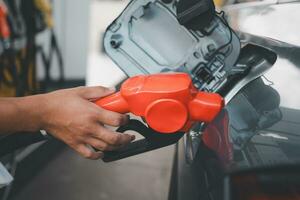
(21, 114)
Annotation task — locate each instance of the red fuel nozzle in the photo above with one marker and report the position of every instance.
(168, 102)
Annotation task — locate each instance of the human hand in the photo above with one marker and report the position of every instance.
(71, 116)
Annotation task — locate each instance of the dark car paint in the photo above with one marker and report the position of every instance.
(263, 118)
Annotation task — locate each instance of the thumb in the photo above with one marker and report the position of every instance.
(94, 93)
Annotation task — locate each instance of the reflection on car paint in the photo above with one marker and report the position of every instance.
(216, 137)
(259, 132)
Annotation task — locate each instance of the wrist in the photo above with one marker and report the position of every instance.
(32, 110)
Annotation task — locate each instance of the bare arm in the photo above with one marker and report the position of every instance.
(20, 114)
(68, 115)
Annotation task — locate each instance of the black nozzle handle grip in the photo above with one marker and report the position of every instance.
(153, 140)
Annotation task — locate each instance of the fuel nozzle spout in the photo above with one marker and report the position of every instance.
(168, 102)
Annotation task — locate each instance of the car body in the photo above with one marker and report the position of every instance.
(259, 127)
